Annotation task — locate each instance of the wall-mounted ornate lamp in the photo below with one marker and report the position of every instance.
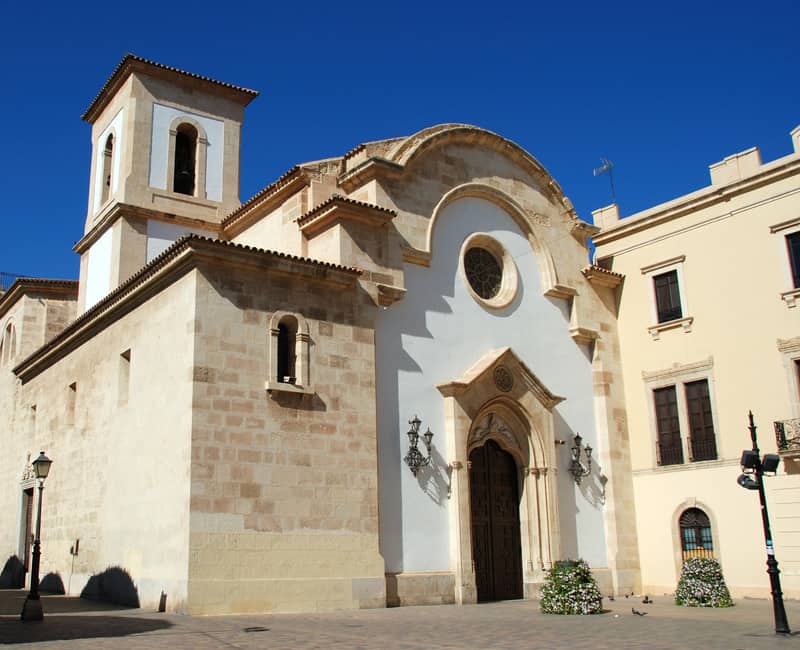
(578, 468)
(414, 458)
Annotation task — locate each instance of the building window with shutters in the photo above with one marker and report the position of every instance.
(668, 298)
(682, 413)
(669, 309)
(702, 441)
(695, 531)
(793, 246)
(670, 447)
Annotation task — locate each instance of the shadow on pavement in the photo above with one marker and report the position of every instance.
(64, 627)
(11, 601)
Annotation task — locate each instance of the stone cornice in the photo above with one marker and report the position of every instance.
(491, 360)
(264, 201)
(118, 210)
(367, 171)
(23, 286)
(131, 63)
(338, 208)
(699, 200)
(185, 254)
(601, 277)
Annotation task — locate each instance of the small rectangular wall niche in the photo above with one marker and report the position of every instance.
(32, 420)
(124, 377)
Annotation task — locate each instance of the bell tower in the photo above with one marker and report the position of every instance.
(165, 162)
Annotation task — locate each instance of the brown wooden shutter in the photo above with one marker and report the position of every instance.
(670, 450)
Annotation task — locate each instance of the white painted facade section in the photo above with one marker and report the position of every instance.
(160, 236)
(98, 276)
(163, 117)
(433, 336)
(114, 127)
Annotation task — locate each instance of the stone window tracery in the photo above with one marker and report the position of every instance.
(489, 271)
(484, 272)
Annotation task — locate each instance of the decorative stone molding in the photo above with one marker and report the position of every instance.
(785, 225)
(503, 379)
(678, 370)
(388, 294)
(583, 335)
(417, 256)
(27, 472)
(789, 345)
(657, 266)
(685, 323)
(791, 297)
(493, 426)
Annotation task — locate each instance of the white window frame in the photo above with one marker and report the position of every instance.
(791, 294)
(659, 268)
(678, 376)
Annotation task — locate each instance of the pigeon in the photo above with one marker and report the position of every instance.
(637, 612)
(647, 600)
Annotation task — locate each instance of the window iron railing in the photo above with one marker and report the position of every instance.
(704, 449)
(787, 435)
(670, 454)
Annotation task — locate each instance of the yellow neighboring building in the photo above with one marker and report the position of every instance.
(709, 328)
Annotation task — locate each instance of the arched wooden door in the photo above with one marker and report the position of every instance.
(494, 499)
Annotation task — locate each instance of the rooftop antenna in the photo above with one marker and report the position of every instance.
(606, 167)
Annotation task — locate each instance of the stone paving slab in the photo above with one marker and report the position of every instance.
(513, 624)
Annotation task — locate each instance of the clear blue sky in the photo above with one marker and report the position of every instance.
(662, 89)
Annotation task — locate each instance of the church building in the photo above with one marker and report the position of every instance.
(389, 378)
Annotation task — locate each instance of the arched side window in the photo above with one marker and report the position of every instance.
(108, 157)
(287, 338)
(8, 344)
(184, 176)
(289, 353)
(695, 530)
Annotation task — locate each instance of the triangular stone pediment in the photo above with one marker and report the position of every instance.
(508, 374)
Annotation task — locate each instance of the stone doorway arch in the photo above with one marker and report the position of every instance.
(517, 416)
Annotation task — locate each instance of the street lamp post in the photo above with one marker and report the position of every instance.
(753, 464)
(32, 609)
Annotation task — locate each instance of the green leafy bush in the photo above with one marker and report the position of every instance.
(570, 589)
(701, 585)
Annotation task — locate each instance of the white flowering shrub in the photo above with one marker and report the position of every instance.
(701, 585)
(570, 589)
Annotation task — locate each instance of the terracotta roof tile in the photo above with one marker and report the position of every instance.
(282, 180)
(338, 198)
(21, 284)
(151, 269)
(131, 60)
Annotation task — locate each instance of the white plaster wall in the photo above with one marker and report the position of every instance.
(160, 236)
(432, 336)
(163, 116)
(116, 157)
(98, 276)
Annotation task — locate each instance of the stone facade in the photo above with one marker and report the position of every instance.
(227, 390)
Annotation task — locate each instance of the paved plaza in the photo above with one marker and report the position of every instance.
(73, 623)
